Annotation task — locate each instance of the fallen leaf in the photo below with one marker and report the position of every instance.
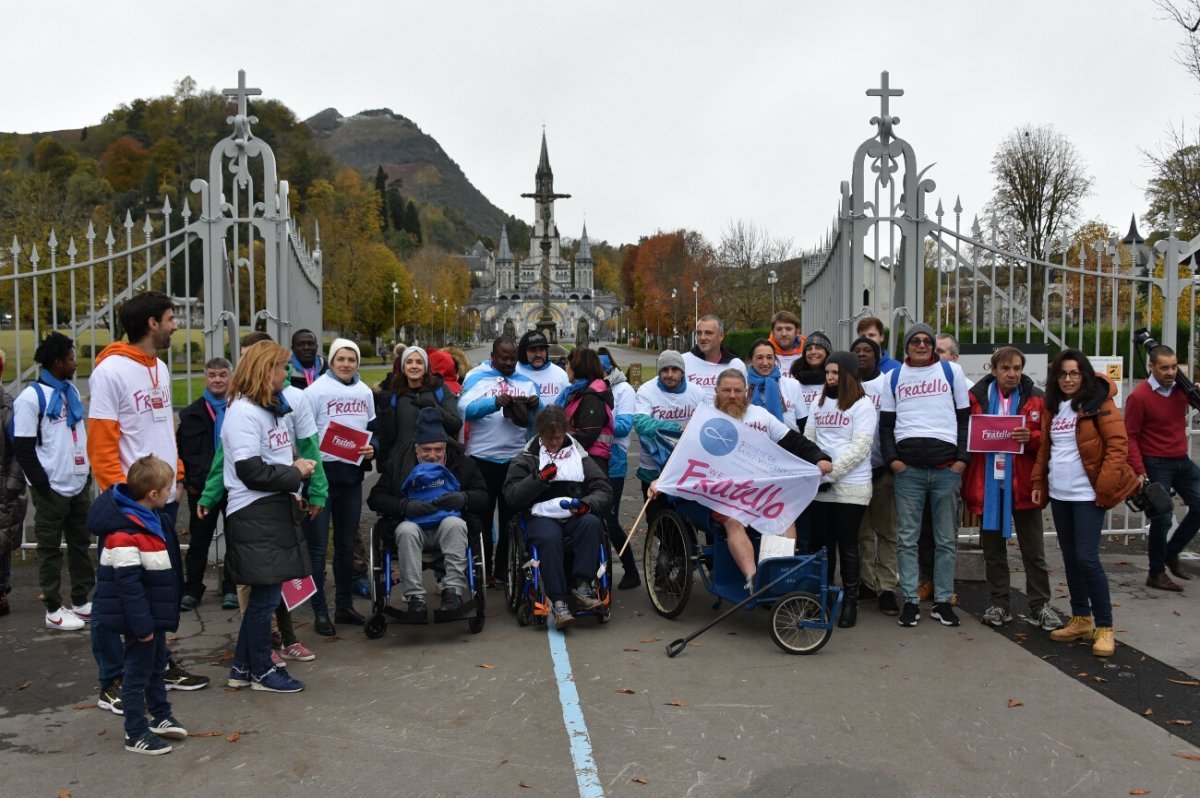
(721, 757)
(64, 794)
(1099, 679)
(172, 638)
(102, 732)
(22, 685)
(487, 666)
(1012, 702)
(1178, 614)
(1179, 723)
(676, 703)
(1122, 562)
(503, 761)
(631, 649)
(233, 737)
(639, 780)
(650, 639)
(1148, 712)
(209, 733)
(627, 691)
(1081, 674)
(1182, 755)
(731, 633)
(1139, 792)
(333, 639)
(524, 785)
(1185, 682)
(225, 657)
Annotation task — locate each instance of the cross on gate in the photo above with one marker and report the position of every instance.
(884, 92)
(241, 92)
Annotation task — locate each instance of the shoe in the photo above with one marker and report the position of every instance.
(1163, 582)
(110, 697)
(1078, 626)
(298, 652)
(629, 580)
(323, 626)
(277, 660)
(996, 616)
(562, 615)
(179, 679)
(188, 603)
(4, 608)
(273, 681)
(350, 616)
(168, 727)
(1104, 645)
(849, 615)
(925, 591)
(276, 640)
(887, 603)
(866, 593)
(229, 601)
(945, 614)
(1176, 567)
(417, 603)
(1046, 618)
(238, 678)
(149, 743)
(451, 601)
(362, 587)
(910, 614)
(83, 612)
(586, 598)
(63, 620)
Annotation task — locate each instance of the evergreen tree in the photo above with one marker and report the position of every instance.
(381, 190)
(412, 222)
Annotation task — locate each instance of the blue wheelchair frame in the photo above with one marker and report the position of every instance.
(530, 602)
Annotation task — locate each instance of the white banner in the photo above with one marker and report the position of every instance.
(739, 472)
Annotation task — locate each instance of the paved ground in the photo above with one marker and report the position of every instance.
(880, 711)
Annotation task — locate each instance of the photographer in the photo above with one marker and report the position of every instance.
(1156, 420)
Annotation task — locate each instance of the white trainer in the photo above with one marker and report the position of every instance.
(83, 612)
(64, 620)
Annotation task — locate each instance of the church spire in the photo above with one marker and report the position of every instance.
(505, 251)
(585, 249)
(543, 169)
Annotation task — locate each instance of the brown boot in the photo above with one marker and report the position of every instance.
(1104, 644)
(1176, 567)
(1079, 626)
(1163, 582)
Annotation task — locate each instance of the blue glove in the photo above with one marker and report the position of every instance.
(574, 505)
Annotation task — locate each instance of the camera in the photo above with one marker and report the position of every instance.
(1142, 338)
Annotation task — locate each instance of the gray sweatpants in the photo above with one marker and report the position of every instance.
(449, 537)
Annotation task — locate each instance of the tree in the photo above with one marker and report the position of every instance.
(1176, 183)
(381, 189)
(123, 163)
(1185, 14)
(742, 261)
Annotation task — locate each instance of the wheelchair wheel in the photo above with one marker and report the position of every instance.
(475, 623)
(525, 614)
(667, 564)
(514, 584)
(375, 626)
(787, 615)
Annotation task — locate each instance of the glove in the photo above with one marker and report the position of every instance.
(415, 508)
(426, 399)
(575, 506)
(547, 473)
(451, 501)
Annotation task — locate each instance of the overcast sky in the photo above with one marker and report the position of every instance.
(659, 115)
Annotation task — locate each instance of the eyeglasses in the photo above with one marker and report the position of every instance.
(1070, 375)
(920, 342)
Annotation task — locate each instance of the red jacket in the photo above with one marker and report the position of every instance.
(1033, 407)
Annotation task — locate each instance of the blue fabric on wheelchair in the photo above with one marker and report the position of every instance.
(427, 482)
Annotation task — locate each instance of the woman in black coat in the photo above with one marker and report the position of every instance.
(414, 386)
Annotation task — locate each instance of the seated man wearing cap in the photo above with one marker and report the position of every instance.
(425, 493)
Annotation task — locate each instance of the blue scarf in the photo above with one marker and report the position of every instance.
(764, 391)
(682, 386)
(572, 389)
(997, 495)
(64, 392)
(143, 516)
(217, 408)
(309, 374)
(485, 370)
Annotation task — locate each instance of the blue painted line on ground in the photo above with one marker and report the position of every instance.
(586, 773)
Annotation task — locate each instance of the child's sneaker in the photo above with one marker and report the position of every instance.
(238, 678)
(277, 660)
(63, 620)
(177, 678)
(149, 743)
(83, 612)
(168, 727)
(110, 697)
(274, 681)
(298, 652)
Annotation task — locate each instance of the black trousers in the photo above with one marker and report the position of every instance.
(835, 526)
(493, 476)
(200, 536)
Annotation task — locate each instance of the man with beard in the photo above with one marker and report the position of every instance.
(306, 363)
(533, 361)
(709, 357)
(786, 340)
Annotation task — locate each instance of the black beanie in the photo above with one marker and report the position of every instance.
(874, 347)
(429, 426)
(818, 338)
(846, 363)
(530, 340)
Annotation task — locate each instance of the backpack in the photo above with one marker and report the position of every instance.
(12, 427)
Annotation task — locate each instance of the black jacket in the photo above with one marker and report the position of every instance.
(13, 496)
(196, 443)
(389, 503)
(523, 488)
(923, 452)
(265, 544)
(396, 412)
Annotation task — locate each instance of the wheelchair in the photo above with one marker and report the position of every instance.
(803, 605)
(380, 555)
(524, 592)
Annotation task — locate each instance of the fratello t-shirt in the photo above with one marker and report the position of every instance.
(550, 379)
(252, 431)
(925, 404)
(125, 391)
(875, 389)
(794, 408)
(329, 399)
(703, 375)
(59, 443)
(764, 422)
(660, 405)
(1068, 480)
(836, 429)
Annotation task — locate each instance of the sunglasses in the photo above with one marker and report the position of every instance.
(921, 342)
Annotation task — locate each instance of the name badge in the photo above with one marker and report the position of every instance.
(998, 469)
(80, 459)
(159, 407)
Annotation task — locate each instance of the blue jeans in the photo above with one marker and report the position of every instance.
(549, 535)
(253, 651)
(344, 508)
(913, 486)
(1078, 525)
(1183, 475)
(143, 686)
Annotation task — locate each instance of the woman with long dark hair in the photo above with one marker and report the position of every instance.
(809, 370)
(1082, 469)
(413, 387)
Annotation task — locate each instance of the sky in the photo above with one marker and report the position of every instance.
(659, 115)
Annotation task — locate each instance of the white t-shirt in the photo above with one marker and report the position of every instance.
(810, 393)
(836, 429)
(493, 437)
(764, 422)
(703, 375)
(794, 408)
(329, 399)
(125, 391)
(875, 390)
(1068, 479)
(785, 361)
(925, 404)
(660, 405)
(59, 443)
(624, 404)
(301, 418)
(252, 431)
(551, 380)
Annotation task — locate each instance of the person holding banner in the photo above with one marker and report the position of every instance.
(1081, 468)
(663, 408)
(842, 421)
(997, 487)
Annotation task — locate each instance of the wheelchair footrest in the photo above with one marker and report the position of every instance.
(467, 610)
(404, 616)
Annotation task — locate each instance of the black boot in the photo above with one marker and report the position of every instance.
(849, 615)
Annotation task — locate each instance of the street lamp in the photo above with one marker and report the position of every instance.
(772, 278)
(413, 337)
(395, 293)
(696, 299)
(444, 305)
(674, 316)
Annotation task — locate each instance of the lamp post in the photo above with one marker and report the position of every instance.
(772, 278)
(444, 306)
(395, 293)
(413, 337)
(696, 300)
(674, 316)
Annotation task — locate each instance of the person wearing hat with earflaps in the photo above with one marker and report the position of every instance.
(664, 406)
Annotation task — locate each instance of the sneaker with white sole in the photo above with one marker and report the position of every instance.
(63, 620)
(276, 681)
(168, 727)
(83, 612)
(110, 697)
(298, 652)
(149, 743)
(910, 614)
(238, 678)
(176, 678)
(996, 616)
(944, 614)
(1046, 618)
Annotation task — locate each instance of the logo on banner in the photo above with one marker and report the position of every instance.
(718, 437)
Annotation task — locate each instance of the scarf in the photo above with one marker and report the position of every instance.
(797, 346)
(570, 469)
(310, 374)
(217, 408)
(485, 371)
(997, 494)
(682, 386)
(764, 391)
(564, 397)
(143, 516)
(64, 394)
(279, 405)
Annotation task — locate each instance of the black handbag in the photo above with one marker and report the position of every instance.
(1153, 499)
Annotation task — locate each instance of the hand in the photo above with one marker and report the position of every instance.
(579, 508)
(451, 501)
(547, 473)
(531, 402)
(825, 466)
(146, 639)
(652, 491)
(367, 452)
(958, 467)
(179, 491)
(202, 512)
(1035, 496)
(1022, 435)
(305, 467)
(503, 400)
(415, 508)
(313, 511)
(898, 466)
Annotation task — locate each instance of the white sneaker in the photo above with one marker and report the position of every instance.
(64, 620)
(83, 612)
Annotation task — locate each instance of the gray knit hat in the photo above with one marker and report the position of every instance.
(917, 329)
(846, 363)
(419, 351)
(669, 358)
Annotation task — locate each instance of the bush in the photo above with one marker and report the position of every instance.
(739, 341)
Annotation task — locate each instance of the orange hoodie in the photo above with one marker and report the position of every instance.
(103, 434)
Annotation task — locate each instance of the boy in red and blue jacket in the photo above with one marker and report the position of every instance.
(138, 587)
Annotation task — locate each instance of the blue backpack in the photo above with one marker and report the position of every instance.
(12, 425)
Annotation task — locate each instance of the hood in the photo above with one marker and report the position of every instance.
(727, 355)
(616, 377)
(442, 364)
(1104, 390)
(128, 350)
(106, 517)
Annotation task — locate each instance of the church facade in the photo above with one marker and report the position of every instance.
(542, 290)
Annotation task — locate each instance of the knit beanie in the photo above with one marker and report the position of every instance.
(846, 363)
(419, 351)
(429, 426)
(862, 339)
(343, 343)
(917, 329)
(668, 359)
(819, 338)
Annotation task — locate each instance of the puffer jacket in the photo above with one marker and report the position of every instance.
(1033, 407)
(523, 488)
(264, 540)
(1103, 448)
(13, 496)
(396, 412)
(590, 415)
(140, 578)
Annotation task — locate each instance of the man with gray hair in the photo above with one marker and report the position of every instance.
(708, 358)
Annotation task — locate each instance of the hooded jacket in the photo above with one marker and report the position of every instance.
(197, 444)
(727, 355)
(396, 411)
(590, 415)
(442, 364)
(1033, 407)
(618, 458)
(523, 488)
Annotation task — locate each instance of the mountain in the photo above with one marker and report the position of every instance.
(371, 139)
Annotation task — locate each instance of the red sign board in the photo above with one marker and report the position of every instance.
(994, 434)
(344, 442)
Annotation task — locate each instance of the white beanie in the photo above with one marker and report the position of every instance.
(343, 343)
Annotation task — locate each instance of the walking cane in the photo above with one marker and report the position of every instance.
(633, 528)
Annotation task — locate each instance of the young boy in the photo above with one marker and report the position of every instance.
(137, 594)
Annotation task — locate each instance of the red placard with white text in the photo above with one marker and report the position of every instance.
(344, 442)
(298, 591)
(994, 434)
